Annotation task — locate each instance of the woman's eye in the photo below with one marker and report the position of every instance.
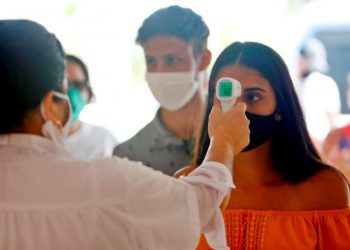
(253, 97)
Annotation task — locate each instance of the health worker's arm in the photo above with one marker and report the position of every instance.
(167, 212)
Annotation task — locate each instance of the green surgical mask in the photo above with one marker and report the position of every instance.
(77, 101)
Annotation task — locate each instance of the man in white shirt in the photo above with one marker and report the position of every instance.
(50, 200)
(318, 92)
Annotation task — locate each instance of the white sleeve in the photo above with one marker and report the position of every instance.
(167, 213)
(216, 176)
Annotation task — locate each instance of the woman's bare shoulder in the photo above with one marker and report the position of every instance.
(327, 189)
(332, 140)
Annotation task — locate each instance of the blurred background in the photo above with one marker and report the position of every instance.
(102, 33)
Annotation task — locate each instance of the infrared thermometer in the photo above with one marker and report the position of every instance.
(227, 91)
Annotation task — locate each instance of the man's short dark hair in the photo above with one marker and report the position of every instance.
(176, 21)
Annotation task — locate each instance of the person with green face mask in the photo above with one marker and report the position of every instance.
(78, 102)
(85, 141)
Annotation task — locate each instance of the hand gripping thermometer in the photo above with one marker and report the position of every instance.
(227, 91)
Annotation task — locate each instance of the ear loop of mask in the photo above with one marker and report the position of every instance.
(42, 107)
(57, 132)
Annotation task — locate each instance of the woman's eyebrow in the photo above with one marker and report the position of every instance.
(254, 89)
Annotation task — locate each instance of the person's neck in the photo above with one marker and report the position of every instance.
(32, 124)
(254, 168)
(185, 123)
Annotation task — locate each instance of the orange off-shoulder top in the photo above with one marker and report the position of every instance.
(286, 230)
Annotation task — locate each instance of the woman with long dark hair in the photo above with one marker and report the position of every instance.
(285, 196)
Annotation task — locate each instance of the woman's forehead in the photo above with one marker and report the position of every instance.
(248, 77)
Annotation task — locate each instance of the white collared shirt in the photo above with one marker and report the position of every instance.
(49, 200)
(319, 97)
(90, 142)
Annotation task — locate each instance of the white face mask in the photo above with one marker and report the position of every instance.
(51, 131)
(173, 90)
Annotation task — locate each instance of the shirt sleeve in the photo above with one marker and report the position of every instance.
(168, 213)
(216, 176)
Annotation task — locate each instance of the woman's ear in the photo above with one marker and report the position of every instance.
(205, 60)
(50, 111)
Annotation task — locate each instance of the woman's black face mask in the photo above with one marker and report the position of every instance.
(262, 128)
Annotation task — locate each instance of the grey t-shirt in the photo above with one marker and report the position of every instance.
(158, 148)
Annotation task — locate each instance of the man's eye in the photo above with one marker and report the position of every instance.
(150, 61)
(171, 60)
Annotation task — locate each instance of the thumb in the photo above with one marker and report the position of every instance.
(215, 109)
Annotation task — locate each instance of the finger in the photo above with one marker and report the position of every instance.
(241, 105)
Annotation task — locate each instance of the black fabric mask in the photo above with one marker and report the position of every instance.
(262, 128)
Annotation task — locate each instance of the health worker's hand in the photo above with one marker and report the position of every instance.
(231, 127)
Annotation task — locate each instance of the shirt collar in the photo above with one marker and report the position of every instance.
(166, 137)
(35, 142)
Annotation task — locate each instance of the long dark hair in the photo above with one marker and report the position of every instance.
(293, 154)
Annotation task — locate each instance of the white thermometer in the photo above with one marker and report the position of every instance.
(227, 91)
